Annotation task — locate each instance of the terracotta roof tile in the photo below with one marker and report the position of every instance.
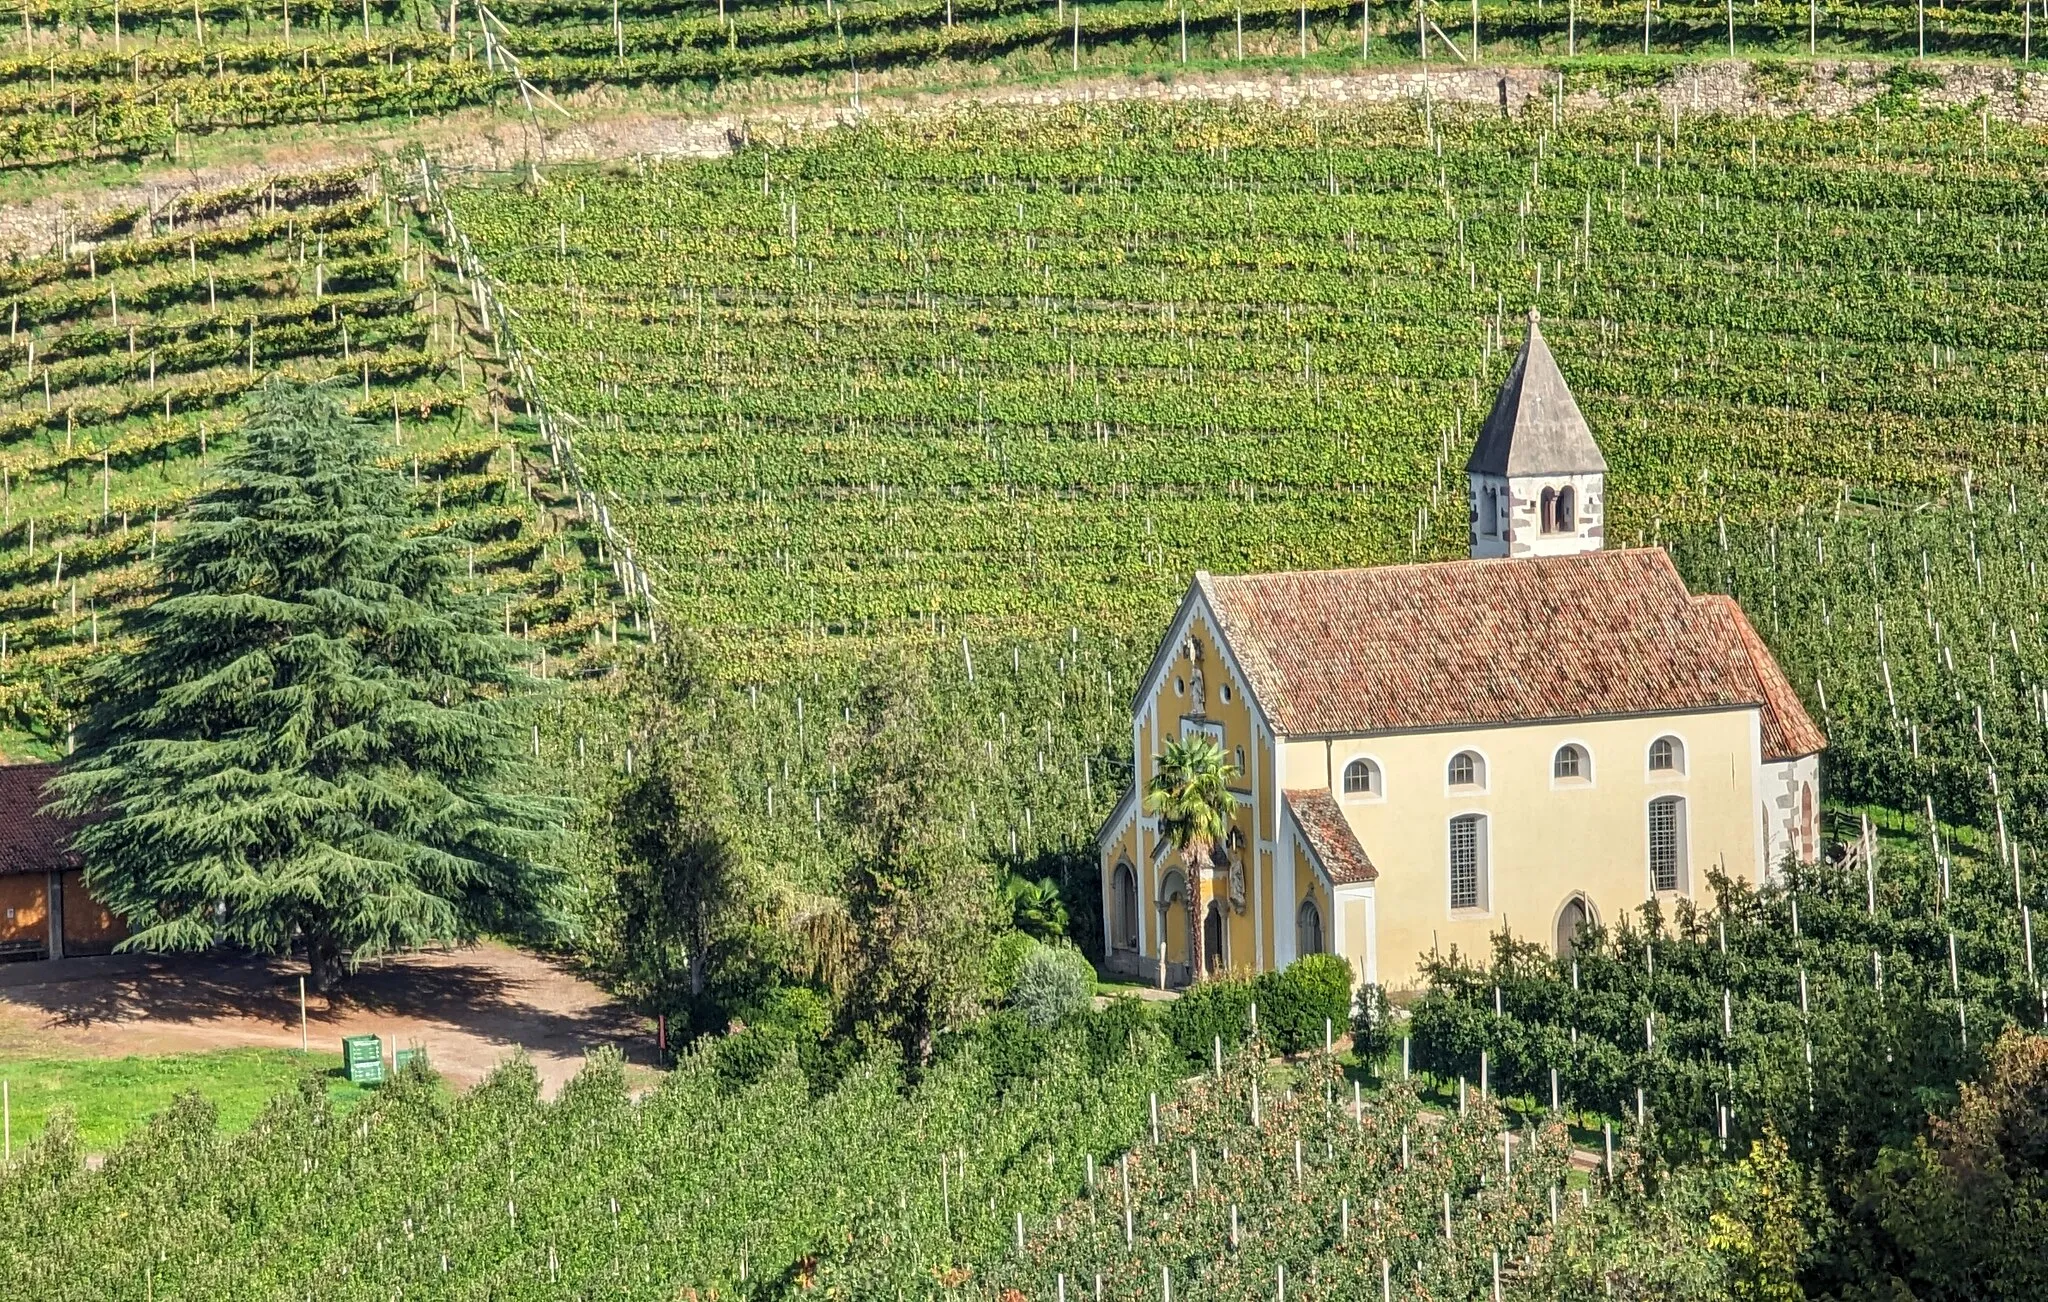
(1330, 837)
(31, 841)
(1481, 642)
(1788, 730)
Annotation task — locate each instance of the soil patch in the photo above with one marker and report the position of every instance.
(470, 1008)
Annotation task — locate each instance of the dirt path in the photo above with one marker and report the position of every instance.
(601, 130)
(470, 1008)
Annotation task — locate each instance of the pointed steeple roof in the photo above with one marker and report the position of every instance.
(1535, 427)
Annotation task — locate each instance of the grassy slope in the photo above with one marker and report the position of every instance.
(109, 1097)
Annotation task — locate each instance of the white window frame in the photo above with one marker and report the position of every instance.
(1678, 755)
(1585, 778)
(1379, 772)
(1137, 937)
(1482, 865)
(1481, 768)
(1681, 846)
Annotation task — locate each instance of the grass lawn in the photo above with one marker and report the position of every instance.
(112, 1096)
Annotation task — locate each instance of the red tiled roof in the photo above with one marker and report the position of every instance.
(1482, 642)
(1788, 730)
(31, 841)
(1330, 837)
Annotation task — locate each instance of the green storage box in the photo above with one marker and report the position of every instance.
(400, 1057)
(362, 1059)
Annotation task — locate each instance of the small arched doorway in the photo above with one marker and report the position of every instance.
(1308, 928)
(1212, 937)
(1173, 928)
(1575, 915)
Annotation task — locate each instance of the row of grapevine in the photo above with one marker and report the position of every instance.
(96, 79)
(705, 1183)
(1004, 372)
(127, 355)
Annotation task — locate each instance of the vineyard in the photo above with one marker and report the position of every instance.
(1001, 374)
(1095, 1172)
(86, 80)
(126, 360)
(748, 1187)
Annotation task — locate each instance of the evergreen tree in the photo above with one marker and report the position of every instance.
(312, 739)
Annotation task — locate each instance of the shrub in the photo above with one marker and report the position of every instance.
(1372, 1026)
(1298, 1001)
(1213, 1009)
(1005, 960)
(1053, 983)
(1112, 1032)
(784, 1020)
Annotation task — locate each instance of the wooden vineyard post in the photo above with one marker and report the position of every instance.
(1475, 31)
(303, 1045)
(1077, 38)
(1812, 24)
(1304, 28)
(1365, 29)
(1646, 25)
(1920, 15)
(1184, 32)
(366, 22)
(1571, 28)
(1731, 28)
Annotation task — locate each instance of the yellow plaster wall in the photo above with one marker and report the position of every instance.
(1545, 841)
(1171, 700)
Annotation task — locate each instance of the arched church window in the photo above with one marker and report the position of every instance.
(1570, 764)
(1564, 511)
(1361, 778)
(1466, 770)
(1550, 510)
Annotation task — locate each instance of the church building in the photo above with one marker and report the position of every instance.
(1545, 734)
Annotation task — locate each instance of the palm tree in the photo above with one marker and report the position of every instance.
(1190, 796)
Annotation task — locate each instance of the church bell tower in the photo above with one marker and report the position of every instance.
(1537, 478)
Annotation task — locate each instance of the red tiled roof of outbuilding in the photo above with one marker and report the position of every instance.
(30, 840)
(1330, 837)
(1788, 730)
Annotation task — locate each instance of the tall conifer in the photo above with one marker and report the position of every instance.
(312, 741)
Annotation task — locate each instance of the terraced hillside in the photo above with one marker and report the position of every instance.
(84, 80)
(126, 359)
(1004, 373)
